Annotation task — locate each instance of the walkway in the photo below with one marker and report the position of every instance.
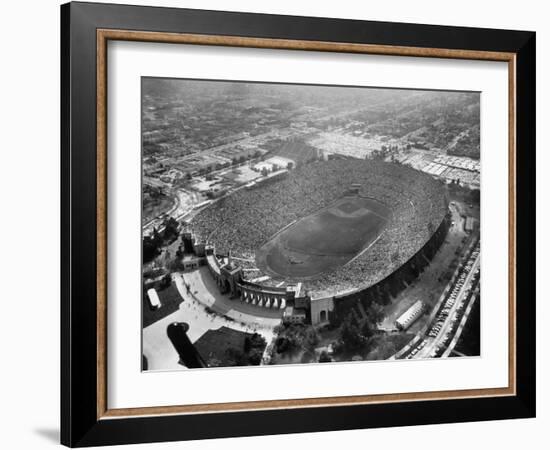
(197, 310)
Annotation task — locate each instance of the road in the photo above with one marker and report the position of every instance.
(460, 328)
(184, 201)
(433, 343)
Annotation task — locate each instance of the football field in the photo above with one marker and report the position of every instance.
(324, 240)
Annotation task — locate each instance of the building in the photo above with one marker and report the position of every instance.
(192, 262)
(294, 315)
(410, 316)
(320, 309)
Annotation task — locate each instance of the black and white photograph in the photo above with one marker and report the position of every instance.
(305, 224)
(275, 225)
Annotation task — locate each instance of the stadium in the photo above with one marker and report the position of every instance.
(337, 227)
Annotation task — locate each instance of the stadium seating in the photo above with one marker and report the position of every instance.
(246, 219)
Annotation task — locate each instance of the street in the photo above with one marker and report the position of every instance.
(441, 328)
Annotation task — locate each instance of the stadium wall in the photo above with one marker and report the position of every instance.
(338, 307)
(335, 308)
(230, 281)
(261, 296)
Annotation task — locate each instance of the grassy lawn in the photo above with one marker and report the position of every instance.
(387, 344)
(378, 347)
(299, 356)
(226, 347)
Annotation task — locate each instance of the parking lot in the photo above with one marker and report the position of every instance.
(444, 326)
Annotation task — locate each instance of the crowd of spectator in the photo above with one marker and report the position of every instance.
(245, 220)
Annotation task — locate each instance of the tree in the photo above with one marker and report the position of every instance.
(150, 248)
(311, 339)
(350, 335)
(235, 357)
(264, 171)
(474, 196)
(367, 329)
(175, 264)
(375, 313)
(165, 282)
(384, 349)
(384, 294)
(255, 356)
(333, 321)
(324, 357)
(157, 239)
(256, 341)
(289, 165)
(170, 230)
(283, 344)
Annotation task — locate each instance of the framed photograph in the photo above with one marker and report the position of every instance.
(277, 224)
